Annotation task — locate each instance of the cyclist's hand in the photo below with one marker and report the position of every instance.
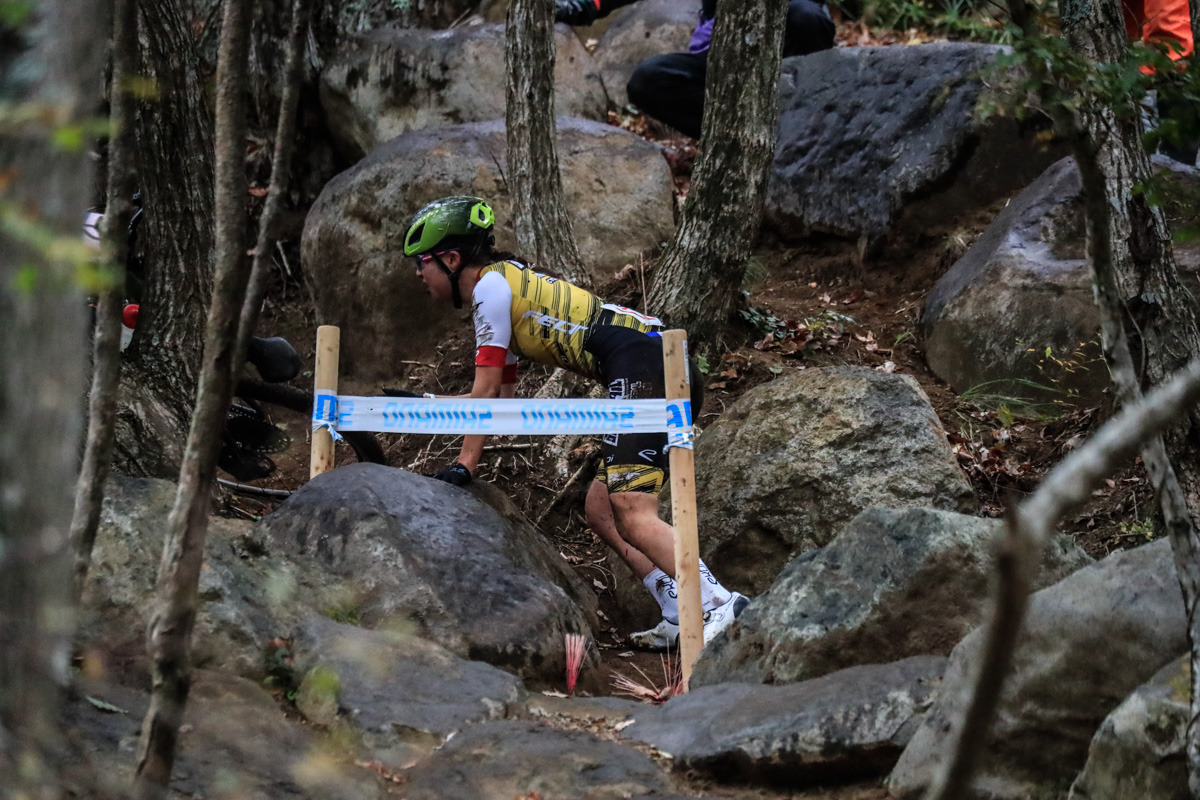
(389, 391)
(576, 12)
(456, 475)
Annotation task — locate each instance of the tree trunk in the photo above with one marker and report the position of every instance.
(539, 210)
(285, 131)
(169, 637)
(696, 284)
(106, 354)
(52, 60)
(1162, 312)
(175, 239)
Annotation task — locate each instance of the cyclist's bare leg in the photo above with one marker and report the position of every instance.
(600, 520)
(637, 521)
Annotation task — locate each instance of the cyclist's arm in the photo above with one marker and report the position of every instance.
(488, 386)
(494, 367)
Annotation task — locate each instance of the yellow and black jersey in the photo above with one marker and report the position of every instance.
(520, 312)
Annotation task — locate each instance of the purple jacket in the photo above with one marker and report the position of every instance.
(701, 36)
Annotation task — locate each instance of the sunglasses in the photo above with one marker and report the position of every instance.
(422, 260)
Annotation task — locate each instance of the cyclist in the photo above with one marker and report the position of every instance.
(518, 311)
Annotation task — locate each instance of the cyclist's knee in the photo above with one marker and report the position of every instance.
(809, 28)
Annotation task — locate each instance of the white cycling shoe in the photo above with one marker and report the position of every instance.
(665, 635)
(723, 616)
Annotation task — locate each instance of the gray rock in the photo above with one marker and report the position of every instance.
(1088, 642)
(645, 29)
(794, 460)
(391, 80)
(904, 116)
(433, 559)
(248, 595)
(503, 760)
(848, 725)
(892, 584)
(1025, 288)
(1140, 750)
(618, 189)
(401, 695)
(235, 741)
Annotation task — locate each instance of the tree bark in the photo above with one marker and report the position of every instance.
(174, 139)
(169, 636)
(539, 210)
(51, 61)
(696, 285)
(106, 354)
(280, 166)
(1136, 272)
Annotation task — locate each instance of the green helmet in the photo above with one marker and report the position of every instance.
(450, 216)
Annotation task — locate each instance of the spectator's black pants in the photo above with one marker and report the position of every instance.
(670, 87)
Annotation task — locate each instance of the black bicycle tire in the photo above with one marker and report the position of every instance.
(366, 447)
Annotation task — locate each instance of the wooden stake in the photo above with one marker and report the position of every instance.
(683, 505)
(325, 378)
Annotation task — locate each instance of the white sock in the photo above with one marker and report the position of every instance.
(712, 593)
(662, 586)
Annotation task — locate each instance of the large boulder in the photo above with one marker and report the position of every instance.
(850, 725)
(235, 741)
(1016, 313)
(402, 696)
(905, 117)
(248, 595)
(1140, 750)
(435, 560)
(893, 584)
(506, 760)
(391, 80)
(1088, 641)
(645, 29)
(794, 460)
(618, 190)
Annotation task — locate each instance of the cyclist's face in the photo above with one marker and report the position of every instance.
(437, 283)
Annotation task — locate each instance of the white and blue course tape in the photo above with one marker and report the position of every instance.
(456, 416)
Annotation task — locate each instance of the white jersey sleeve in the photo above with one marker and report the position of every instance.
(491, 305)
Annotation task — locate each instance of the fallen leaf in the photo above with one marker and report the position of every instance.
(626, 654)
(622, 725)
(854, 296)
(599, 584)
(887, 366)
(258, 191)
(552, 693)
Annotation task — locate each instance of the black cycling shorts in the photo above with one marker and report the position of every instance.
(631, 366)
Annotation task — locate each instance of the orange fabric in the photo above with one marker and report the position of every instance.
(1164, 22)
